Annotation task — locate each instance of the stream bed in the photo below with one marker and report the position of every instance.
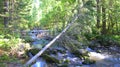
(59, 56)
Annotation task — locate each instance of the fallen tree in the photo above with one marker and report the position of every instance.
(50, 43)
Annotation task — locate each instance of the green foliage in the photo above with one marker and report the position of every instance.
(9, 43)
(2, 64)
(108, 40)
(105, 40)
(32, 51)
(28, 39)
(6, 57)
(55, 15)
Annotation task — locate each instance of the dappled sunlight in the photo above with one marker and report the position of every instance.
(36, 12)
(60, 33)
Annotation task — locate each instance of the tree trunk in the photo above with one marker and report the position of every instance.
(11, 10)
(104, 31)
(98, 13)
(6, 10)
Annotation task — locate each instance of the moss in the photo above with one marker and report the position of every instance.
(28, 39)
(50, 59)
(62, 65)
(2, 64)
(88, 61)
(80, 53)
(32, 51)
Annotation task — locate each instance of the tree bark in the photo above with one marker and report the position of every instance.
(104, 31)
(98, 13)
(6, 10)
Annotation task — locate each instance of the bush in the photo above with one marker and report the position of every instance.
(8, 43)
(105, 40)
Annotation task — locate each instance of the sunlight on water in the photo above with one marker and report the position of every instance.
(40, 63)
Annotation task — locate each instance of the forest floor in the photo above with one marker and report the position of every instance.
(7, 60)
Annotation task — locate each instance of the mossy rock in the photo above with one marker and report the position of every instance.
(28, 39)
(88, 61)
(56, 50)
(45, 55)
(65, 61)
(94, 45)
(50, 59)
(62, 65)
(98, 51)
(52, 51)
(32, 51)
(80, 52)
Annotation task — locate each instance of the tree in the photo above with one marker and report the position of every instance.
(98, 13)
(6, 11)
(104, 30)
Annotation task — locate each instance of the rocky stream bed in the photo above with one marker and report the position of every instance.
(59, 56)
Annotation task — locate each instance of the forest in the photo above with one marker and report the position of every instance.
(59, 33)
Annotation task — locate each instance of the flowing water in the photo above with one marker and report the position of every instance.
(103, 59)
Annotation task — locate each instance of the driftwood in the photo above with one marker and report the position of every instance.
(50, 43)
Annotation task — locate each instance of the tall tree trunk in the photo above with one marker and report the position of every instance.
(6, 10)
(104, 31)
(11, 10)
(109, 22)
(98, 13)
(110, 17)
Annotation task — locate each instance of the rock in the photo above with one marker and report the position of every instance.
(66, 61)
(99, 51)
(94, 43)
(62, 65)
(88, 61)
(28, 39)
(51, 59)
(32, 51)
(89, 49)
(83, 51)
(60, 55)
(84, 66)
(39, 43)
(69, 54)
(49, 38)
(74, 61)
(80, 52)
(56, 50)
